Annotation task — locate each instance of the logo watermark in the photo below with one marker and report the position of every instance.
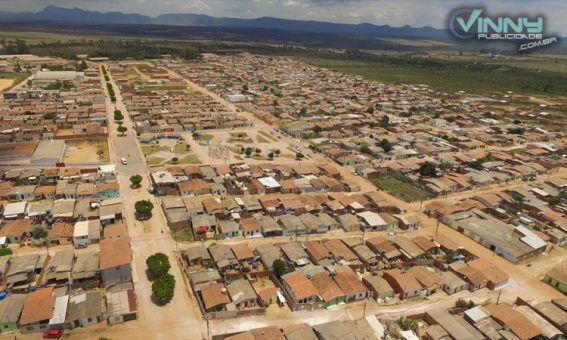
(470, 23)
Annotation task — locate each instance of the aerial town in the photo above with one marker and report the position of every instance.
(246, 196)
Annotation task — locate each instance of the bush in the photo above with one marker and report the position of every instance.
(163, 288)
(408, 325)
(6, 251)
(158, 264)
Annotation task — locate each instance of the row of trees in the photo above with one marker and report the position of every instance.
(111, 92)
(163, 285)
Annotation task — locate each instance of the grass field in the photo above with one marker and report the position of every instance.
(452, 76)
(268, 136)
(183, 235)
(400, 189)
(11, 79)
(190, 159)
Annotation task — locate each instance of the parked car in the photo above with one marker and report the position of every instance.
(124, 161)
(52, 334)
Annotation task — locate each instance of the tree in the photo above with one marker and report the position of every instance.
(427, 169)
(122, 130)
(163, 288)
(136, 180)
(299, 156)
(370, 109)
(248, 152)
(385, 121)
(386, 145)
(365, 149)
(257, 151)
(317, 129)
(39, 233)
(158, 264)
(195, 135)
(144, 209)
(271, 155)
(277, 152)
(408, 325)
(279, 267)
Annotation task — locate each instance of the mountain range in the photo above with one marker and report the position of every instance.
(54, 14)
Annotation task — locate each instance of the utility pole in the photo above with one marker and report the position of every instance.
(498, 299)
(436, 228)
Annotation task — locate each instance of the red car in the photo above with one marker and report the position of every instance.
(52, 334)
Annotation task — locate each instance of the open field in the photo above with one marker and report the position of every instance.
(451, 76)
(10, 79)
(86, 151)
(400, 189)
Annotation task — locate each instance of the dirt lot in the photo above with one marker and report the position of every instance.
(86, 151)
(5, 83)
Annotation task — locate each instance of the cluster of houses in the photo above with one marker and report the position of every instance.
(73, 204)
(517, 223)
(522, 320)
(163, 104)
(53, 105)
(247, 179)
(279, 214)
(300, 97)
(65, 289)
(236, 280)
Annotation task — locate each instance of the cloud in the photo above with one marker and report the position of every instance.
(391, 12)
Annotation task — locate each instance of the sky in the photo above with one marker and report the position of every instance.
(395, 13)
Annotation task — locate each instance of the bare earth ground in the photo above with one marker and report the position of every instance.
(5, 83)
(86, 151)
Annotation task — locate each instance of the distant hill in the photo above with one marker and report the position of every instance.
(61, 15)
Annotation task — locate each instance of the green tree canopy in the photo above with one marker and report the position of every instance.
(385, 121)
(158, 264)
(144, 208)
(427, 169)
(39, 233)
(136, 180)
(279, 267)
(386, 145)
(122, 130)
(163, 288)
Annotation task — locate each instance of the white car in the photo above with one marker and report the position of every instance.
(124, 161)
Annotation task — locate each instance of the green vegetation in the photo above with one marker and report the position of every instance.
(163, 288)
(408, 325)
(57, 85)
(143, 209)
(427, 169)
(183, 235)
(190, 159)
(122, 130)
(136, 180)
(5, 251)
(386, 145)
(111, 92)
(279, 267)
(298, 156)
(17, 77)
(462, 303)
(401, 188)
(39, 233)
(447, 75)
(164, 285)
(158, 264)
